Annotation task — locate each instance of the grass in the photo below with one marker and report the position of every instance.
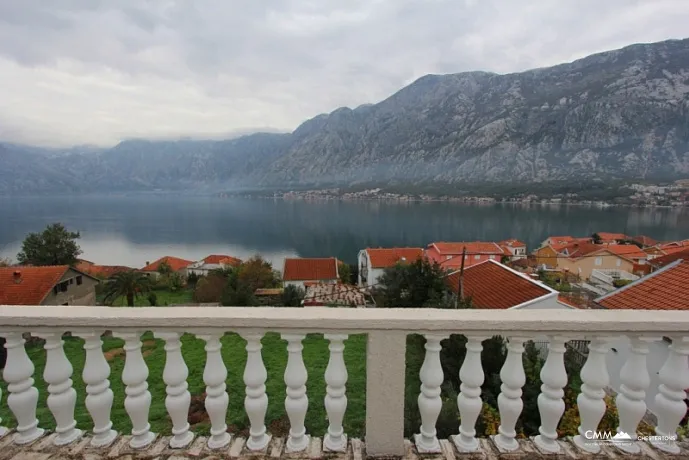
(163, 297)
(315, 356)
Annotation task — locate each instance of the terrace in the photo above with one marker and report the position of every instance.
(386, 331)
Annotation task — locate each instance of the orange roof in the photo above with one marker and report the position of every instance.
(607, 236)
(492, 285)
(662, 261)
(666, 289)
(474, 247)
(513, 243)
(567, 301)
(645, 240)
(388, 257)
(310, 269)
(222, 259)
(35, 284)
(560, 239)
(175, 264)
(628, 251)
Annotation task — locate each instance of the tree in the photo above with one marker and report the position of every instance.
(292, 296)
(175, 282)
(130, 284)
(596, 239)
(418, 284)
(243, 296)
(53, 246)
(345, 273)
(256, 273)
(192, 279)
(164, 268)
(210, 289)
(5, 262)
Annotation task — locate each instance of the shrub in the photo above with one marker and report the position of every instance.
(209, 289)
(175, 282)
(153, 299)
(292, 296)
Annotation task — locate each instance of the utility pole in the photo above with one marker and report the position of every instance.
(460, 295)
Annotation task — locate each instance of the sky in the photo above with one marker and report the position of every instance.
(98, 71)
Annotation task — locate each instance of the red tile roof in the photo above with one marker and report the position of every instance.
(666, 289)
(175, 264)
(612, 237)
(513, 243)
(492, 285)
(473, 247)
(388, 257)
(628, 251)
(310, 269)
(645, 240)
(36, 283)
(222, 259)
(662, 261)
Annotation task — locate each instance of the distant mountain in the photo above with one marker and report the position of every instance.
(621, 114)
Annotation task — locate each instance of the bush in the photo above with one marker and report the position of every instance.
(209, 289)
(292, 296)
(243, 296)
(153, 299)
(192, 279)
(175, 282)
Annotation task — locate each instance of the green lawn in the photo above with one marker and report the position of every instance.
(163, 297)
(315, 355)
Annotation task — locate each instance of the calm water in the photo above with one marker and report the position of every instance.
(131, 230)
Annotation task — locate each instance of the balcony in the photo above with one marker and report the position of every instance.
(385, 333)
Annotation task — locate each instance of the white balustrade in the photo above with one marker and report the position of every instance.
(99, 396)
(178, 398)
(217, 399)
(551, 406)
(630, 401)
(430, 403)
(256, 400)
(138, 400)
(3, 429)
(63, 397)
(510, 402)
(23, 395)
(669, 402)
(469, 399)
(336, 399)
(387, 330)
(296, 402)
(590, 401)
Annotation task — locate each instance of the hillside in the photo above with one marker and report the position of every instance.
(621, 114)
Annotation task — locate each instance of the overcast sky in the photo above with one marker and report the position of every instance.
(97, 71)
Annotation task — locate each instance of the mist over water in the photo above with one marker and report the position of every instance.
(130, 230)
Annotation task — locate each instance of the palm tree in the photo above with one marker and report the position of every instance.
(130, 284)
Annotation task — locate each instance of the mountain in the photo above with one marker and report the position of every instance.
(621, 114)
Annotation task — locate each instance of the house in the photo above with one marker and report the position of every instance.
(662, 261)
(582, 259)
(374, 261)
(176, 264)
(303, 271)
(101, 271)
(513, 248)
(665, 289)
(611, 238)
(212, 262)
(334, 295)
(492, 285)
(52, 285)
(449, 255)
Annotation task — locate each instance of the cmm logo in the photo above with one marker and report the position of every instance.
(607, 436)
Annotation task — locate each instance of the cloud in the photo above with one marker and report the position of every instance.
(96, 71)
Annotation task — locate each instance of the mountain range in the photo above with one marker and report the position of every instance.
(621, 114)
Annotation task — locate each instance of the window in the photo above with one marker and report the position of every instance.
(448, 257)
(71, 281)
(599, 261)
(492, 257)
(63, 286)
(619, 263)
(477, 257)
(80, 279)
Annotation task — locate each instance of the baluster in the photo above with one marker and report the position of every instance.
(631, 400)
(469, 398)
(138, 400)
(23, 395)
(256, 400)
(430, 403)
(669, 402)
(62, 396)
(214, 376)
(178, 398)
(296, 402)
(510, 399)
(99, 396)
(551, 406)
(594, 376)
(336, 399)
